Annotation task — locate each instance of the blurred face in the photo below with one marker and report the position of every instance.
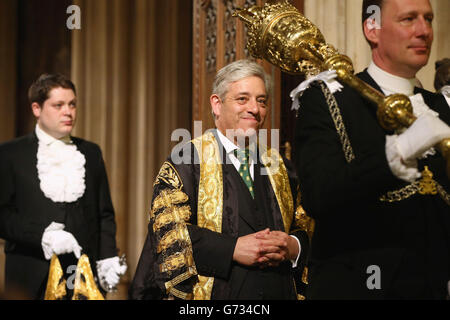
(244, 107)
(402, 46)
(57, 114)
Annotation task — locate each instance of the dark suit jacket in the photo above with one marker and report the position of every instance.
(25, 212)
(409, 240)
(213, 252)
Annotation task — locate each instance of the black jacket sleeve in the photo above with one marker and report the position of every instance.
(327, 180)
(15, 227)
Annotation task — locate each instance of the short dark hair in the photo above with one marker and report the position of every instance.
(442, 77)
(39, 90)
(365, 14)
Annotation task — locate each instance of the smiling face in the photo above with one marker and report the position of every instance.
(244, 107)
(57, 114)
(403, 43)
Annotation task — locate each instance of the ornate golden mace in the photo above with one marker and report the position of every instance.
(280, 34)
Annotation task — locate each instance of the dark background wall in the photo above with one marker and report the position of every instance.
(43, 46)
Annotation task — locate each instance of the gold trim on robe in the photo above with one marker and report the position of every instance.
(210, 199)
(210, 210)
(168, 209)
(279, 179)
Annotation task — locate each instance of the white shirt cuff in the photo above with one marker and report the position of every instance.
(294, 262)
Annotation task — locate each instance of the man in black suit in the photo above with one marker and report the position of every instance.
(380, 233)
(219, 226)
(54, 196)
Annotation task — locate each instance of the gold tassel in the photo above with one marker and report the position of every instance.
(85, 287)
(56, 284)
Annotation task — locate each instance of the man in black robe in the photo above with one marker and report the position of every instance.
(223, 221)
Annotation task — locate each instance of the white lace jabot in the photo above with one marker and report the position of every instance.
(60, 168)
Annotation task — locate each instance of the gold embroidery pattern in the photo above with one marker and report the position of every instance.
(202, 291)
(172, 215)
(210, 199)
(180, 294)
(338, 123)
(301, 220)
(279, 180)
(176, 261)
(170, 285)
(304, 222)
(167, 198)
(169, 175)
(179, 234)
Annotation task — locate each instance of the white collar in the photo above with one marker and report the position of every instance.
(230, 147)
(227, 144)
(390, 83)
(47, 139)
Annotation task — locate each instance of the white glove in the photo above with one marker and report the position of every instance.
(423, 134)
(57, 241)
(405, 170)
(109, 271)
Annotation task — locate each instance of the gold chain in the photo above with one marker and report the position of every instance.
(424, 186)
(444, 195)
(338, 123)
(402, 194)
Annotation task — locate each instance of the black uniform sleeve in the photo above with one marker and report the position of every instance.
(15, 227)
(327, 180)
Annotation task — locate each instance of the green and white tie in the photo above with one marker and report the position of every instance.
(244, 170)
